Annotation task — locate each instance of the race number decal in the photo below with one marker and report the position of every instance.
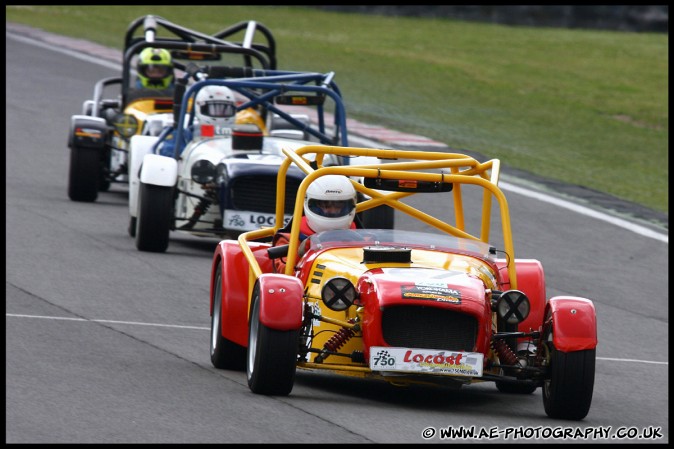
(453, 363)
(242, 220)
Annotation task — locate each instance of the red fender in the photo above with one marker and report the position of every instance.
(235, 296)
(530, 281)
(281, 301)
(574, 323)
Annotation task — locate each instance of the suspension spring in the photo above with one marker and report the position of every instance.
(199, 210)
(202, 207)
(335, 342)
(505, 354)
(338, 340)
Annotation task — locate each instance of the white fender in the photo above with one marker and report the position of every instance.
(139, 146)
(159, 170)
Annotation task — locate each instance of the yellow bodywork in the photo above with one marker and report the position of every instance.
(141, 109)
(349, 261)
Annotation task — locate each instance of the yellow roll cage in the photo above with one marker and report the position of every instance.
(463, 170)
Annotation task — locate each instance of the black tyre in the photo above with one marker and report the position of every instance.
(225, 354)
(272, 355)
(104, 181)
(567, 393)
(104, 184)
(153, 222)
(380, 217)
(83, 179)
(132, 226)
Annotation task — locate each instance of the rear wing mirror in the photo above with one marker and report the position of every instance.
(192, 55)
(300, 100)
(407, 185)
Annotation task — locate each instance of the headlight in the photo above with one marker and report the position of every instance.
(338, 294)
(126, 125)
(221, 174)
(203, 172)
(513, 306)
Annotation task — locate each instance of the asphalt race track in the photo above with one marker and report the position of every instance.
(105, 344)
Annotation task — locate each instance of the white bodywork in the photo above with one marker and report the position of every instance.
(139, 146)
(215, 150)
(159, 170)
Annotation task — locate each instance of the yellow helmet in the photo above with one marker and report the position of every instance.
(155, 69)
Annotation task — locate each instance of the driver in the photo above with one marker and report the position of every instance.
(329, 204)
(214, 105)
(155, 69)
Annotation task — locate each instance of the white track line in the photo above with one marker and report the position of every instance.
(177, 326)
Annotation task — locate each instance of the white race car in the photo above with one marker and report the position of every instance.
(221, 185)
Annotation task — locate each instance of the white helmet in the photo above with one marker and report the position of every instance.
(330, 203)
(215, 106)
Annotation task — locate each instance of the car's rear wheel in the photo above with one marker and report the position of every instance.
(272, 355)
(225, 354)
(380, 217)
(83, 178)
(153, 223)
(567, 393)
(104, 182)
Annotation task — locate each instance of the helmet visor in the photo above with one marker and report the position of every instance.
(330, 208)
(155, 71)
(222, 109)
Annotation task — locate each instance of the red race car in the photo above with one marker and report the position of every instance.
(438, 303)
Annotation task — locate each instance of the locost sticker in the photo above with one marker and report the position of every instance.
(431, 361)
(242, 220)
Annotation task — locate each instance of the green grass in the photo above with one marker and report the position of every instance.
(583, 107)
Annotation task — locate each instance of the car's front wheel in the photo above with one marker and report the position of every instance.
(153, 223)
(272, 355)
(225, 354)
(132, 226)
(83, 178)
(567, 393)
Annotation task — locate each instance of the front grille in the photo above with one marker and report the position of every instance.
(428, 328)
(258, 193)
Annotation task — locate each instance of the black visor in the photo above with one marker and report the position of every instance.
(330, 208)
(218, 109)
(155, 71)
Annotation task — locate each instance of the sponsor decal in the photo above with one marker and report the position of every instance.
(454, 363)
(249, 221)
(223, 130)
(430, 290)
(407, 183)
